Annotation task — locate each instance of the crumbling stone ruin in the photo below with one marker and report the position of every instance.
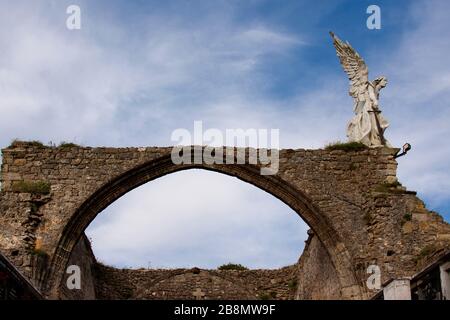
(358, 212)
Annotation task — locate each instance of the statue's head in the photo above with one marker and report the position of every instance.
(381, 82)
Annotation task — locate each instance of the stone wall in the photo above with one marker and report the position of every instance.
(83, 257)
(103, 282)
(352, 201)
(317, 278)
(191, 284)
(20, 219)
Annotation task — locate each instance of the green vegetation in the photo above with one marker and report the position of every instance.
(36, 187)
(34, 143)
(346, 146)
(39, 144)
(232, 266)
(389, 187)
(64, 145)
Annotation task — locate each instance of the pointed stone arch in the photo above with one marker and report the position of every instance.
(351, 199)
(274, 185)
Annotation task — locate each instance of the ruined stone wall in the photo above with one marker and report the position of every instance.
(351, 200)
(83, 257)
(150, 284)
(103, 282)
(20, 218)
(317, 278)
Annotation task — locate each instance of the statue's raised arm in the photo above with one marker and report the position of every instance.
(368, 125)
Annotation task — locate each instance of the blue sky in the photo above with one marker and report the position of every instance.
(137, 70)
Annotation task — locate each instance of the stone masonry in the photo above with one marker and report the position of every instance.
(359, 213)
(317, 277)
(104, 282)
(191, 284)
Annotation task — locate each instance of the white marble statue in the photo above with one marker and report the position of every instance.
(368, 125)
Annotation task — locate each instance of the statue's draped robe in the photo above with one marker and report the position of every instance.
(364, 127)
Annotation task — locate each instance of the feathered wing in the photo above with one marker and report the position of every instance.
(353, 65)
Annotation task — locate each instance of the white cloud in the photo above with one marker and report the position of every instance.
(416, 100)
(105, 85)
(71, 85)
(198, 218)
(110, 85)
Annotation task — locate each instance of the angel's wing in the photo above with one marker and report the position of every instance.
(353, 65)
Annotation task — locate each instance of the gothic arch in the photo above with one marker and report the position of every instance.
(135, 177)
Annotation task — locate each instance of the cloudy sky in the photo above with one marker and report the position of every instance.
(137, 70)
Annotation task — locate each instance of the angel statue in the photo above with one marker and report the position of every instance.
(368, 125)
